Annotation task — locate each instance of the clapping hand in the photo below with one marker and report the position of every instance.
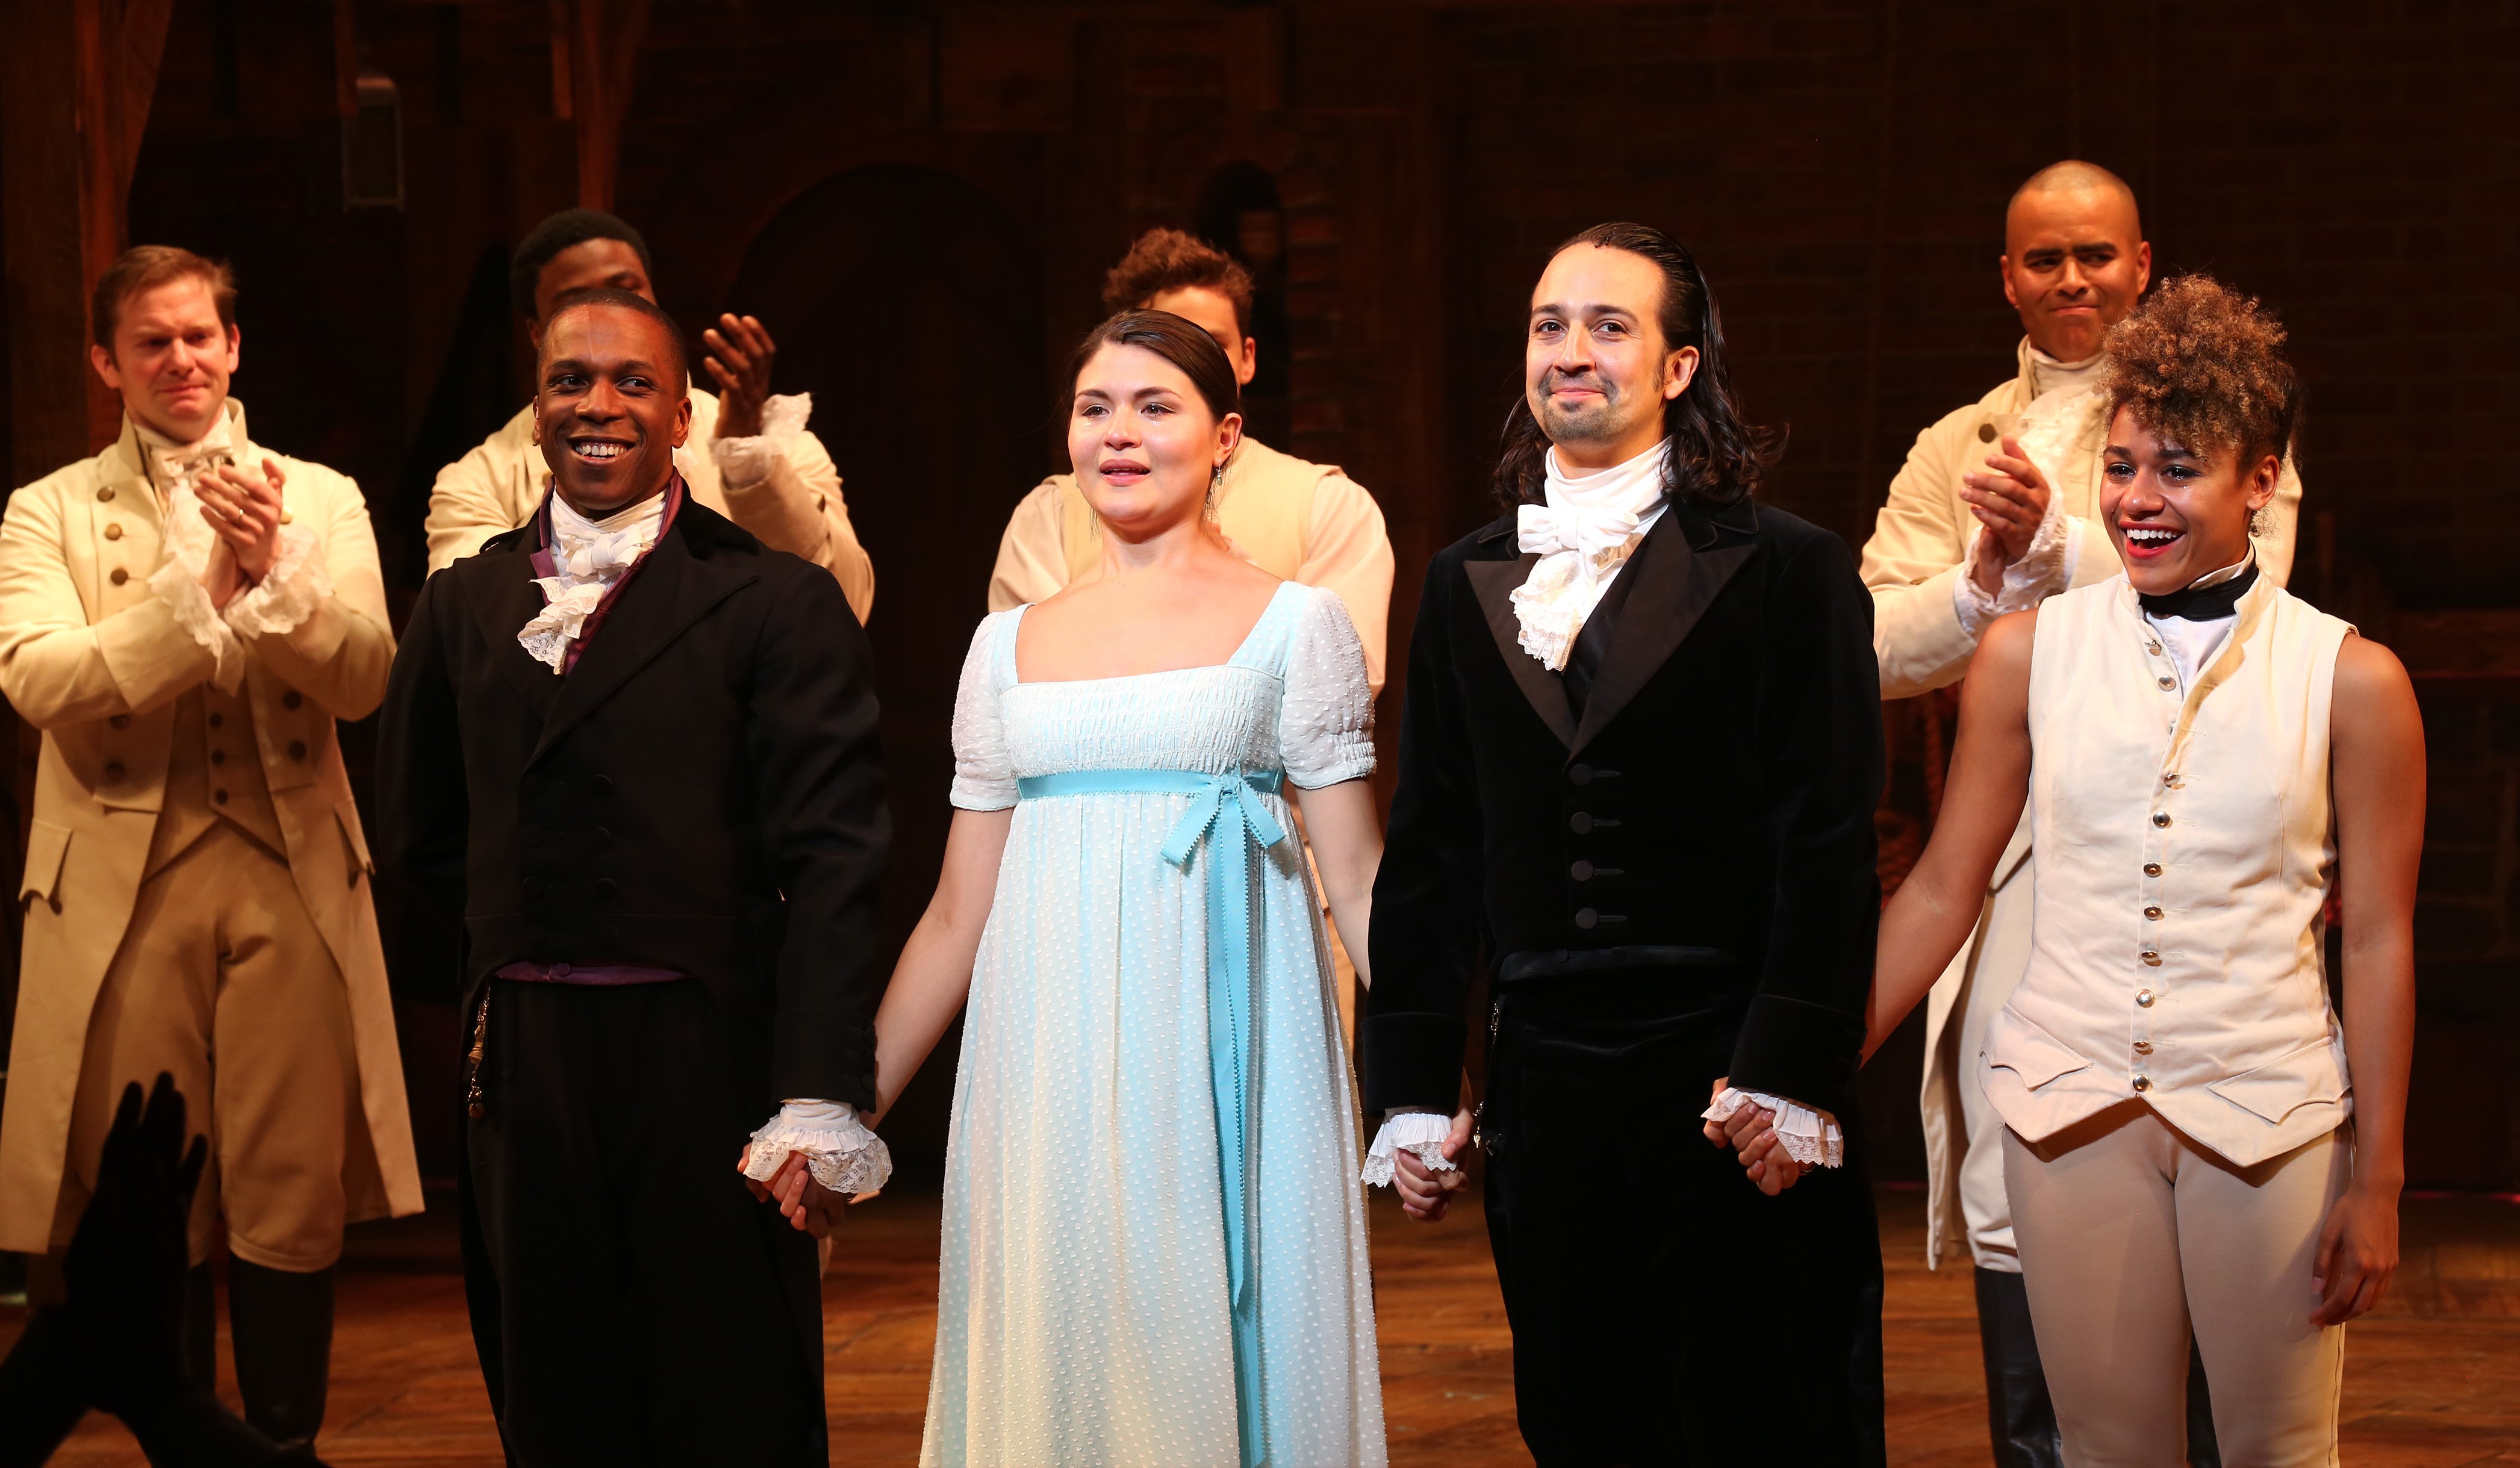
(245, 513)
(2009, 500)
(1750, 1131)
(740, 353)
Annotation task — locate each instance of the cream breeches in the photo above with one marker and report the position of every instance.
(2131, 1234)
(223, 980)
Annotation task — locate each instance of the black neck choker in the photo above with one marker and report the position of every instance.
(2202, 604)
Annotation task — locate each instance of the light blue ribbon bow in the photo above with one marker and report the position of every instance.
(1229, 808)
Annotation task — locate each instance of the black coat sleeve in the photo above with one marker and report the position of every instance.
(422, 802)
(1427, 896)
(812, 738)
(1820, 742)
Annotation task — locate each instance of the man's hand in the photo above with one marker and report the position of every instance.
(2009, 500)
(1426, 1194)
(244, 510)
(739, 355)
(1750, 1131)
(804, 1203)
(2357, 1254)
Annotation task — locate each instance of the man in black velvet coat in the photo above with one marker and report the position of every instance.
(632, 752)
(1638, 769)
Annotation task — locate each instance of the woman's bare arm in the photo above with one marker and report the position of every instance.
(934, 975)
(1347, 845)
(1937, 906)
(2376, 749)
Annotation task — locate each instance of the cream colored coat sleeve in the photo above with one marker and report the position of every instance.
(1918, 549)
(1032, 562)
(339, 656)
(799, 508)
(473, 499)
(56, 667)
(1348, 551)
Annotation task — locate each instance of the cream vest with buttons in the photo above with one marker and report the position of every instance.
(2185, 852)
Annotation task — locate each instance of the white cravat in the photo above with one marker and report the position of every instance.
(2048, 375)
(1583, 534)
(591, 557)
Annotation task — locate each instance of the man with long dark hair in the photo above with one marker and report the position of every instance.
(1638, 768)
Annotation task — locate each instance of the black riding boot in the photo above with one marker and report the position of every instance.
(2019, 1418)
(281, 1326)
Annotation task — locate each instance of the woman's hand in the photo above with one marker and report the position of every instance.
(1751, 1133)
(1426, 1194)
(2358, 1255)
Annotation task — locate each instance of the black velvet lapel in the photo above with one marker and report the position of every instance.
(1679, 568)
(1494, 581)
(499, 587)
(673, 589)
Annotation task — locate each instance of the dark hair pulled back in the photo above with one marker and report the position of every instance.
(1178, 341)
(1717, 456)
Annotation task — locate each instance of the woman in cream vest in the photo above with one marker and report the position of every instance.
(2201, 753)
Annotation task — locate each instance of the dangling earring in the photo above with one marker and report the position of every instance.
(2258, 523)
(1215, 482)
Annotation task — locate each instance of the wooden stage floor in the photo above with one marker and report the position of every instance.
(2432, 1380)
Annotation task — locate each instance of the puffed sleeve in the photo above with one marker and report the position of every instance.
(984, 780)
(1325, 725)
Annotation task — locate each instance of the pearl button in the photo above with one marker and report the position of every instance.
(2144, 999)
(2143, 1046)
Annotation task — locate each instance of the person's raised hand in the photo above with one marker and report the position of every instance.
(244, 510)
(1426, 1192)
(2009, 500)
(739, 357)
(125, 1266)
(2358, 1255)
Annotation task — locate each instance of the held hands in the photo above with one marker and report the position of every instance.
(1749, 1133)
(245, 513)
(804, 1203)
(2008, 501)
(2357, 1254)
(740, 353)
(1426, 1194)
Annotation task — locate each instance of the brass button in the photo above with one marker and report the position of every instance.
(113, 771)
(120, 576)
(297, 750)
(2151, 958)
(218, 756)
(2144, 999)
(2152, 868)
(2161, 817)
(105, 496)
(2153, 912)
(2143, 1046)
(1581, 822)
(113, 532)
(1985, 432)
(219, 796)
(2168, 682)
(1581, 871)
(2152, 647)
(2144, 1083)
(120, 721)
(1586, 919)
(293, 699)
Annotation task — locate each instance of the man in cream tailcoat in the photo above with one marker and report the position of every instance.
(1302, 522)
(1995, 510)
(750, 459)
(185, 616)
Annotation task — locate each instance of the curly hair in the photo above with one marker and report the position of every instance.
(1170, 260)
(2204, 366)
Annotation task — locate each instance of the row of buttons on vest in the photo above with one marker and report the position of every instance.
(1584, 823)
(114, 770)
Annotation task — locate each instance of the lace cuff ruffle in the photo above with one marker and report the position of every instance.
(179, 586)
(839, 1152)
(2041, 572)
(1811, 1138)
(281, 602)
(1424, 1133)
(743, 463)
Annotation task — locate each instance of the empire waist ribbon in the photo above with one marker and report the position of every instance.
(1228, 807)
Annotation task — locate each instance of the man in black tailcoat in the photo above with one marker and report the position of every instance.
(633, 753)
(1638, 769)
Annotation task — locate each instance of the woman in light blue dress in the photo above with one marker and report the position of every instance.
(1155, 1246)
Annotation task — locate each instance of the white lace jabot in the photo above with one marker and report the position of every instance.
(1582, 535)
(590, 557)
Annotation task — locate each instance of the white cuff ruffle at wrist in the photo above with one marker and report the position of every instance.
(179, 586)
(743, 463)
(280, 602)
(2041, 572)
(1424, 1133)
(1810, 1137)
(839, 1152)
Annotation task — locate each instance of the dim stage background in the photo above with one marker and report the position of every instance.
(919, 199)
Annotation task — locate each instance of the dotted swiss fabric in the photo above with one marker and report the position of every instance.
(1084, 1315)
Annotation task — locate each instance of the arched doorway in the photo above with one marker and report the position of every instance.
(908, 303)
(1239, 213)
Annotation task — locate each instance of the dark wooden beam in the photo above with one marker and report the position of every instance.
(595, 44)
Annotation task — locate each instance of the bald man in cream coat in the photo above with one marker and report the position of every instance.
(1995, 510)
